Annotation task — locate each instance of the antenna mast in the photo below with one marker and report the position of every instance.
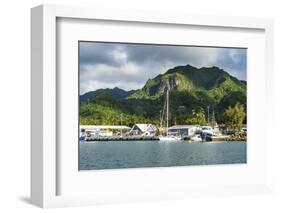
(167, 110)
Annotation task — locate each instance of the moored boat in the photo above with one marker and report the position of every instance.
(217, 138)
(211, 137)
(196, 138)
(169, 138)
(212, 134)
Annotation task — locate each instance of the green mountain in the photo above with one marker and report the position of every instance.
(191, 89)
(212, 82)
(116, 93)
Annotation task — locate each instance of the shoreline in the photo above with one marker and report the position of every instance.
(155, 139)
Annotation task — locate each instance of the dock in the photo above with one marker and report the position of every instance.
(124, 138)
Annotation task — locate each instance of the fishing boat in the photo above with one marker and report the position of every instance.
(168, 137)
(212, 134)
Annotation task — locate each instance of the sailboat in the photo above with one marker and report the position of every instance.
(168, 137)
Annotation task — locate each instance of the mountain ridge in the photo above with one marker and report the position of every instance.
(189, 79)
(190, 88)
(116, 93)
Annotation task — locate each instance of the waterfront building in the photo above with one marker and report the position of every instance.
(143, 129)
(183, 130)
(102, 130)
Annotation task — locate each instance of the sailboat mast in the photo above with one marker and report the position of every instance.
(167, 111)
(213, 118)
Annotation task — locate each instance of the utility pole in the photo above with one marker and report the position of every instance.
(160, 118)
(121, 124)
(213, 118)
(208, 108)
(167, 111)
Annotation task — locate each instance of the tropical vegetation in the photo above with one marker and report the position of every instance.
(195, 94)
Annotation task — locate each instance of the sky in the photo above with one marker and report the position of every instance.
(129, 66)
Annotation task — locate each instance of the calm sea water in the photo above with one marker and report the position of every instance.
(139, 154)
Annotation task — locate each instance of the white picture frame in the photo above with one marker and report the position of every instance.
(45, 170)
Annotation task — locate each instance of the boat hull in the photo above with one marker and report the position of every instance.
(217, 139)
(168, 139)
(207, 137)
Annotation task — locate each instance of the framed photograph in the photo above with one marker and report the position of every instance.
(144, 105)
(131, 106)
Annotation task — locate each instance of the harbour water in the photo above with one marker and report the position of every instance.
(140, 154)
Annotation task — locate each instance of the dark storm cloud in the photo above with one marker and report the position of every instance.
(128, 66)
(100, 53)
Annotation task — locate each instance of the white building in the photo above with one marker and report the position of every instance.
(144, 129)
(101, 130)
(183, 130)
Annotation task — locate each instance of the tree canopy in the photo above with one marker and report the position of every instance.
(234, 116)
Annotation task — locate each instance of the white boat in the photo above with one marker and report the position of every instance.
(209, 129)
(196, 138)
(212, 134)
(168, 138)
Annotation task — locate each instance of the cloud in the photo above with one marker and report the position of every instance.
(233, 61)
(129, 66)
